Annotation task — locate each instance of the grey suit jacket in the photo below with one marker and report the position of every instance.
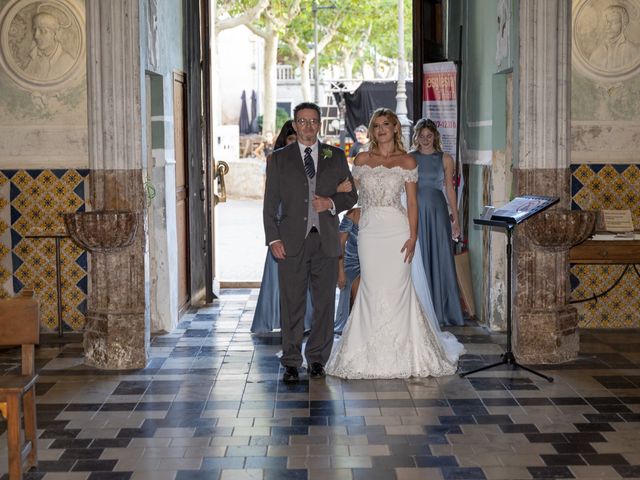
(287, 186)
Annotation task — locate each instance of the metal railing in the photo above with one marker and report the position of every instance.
(288, 73)
(285, 72)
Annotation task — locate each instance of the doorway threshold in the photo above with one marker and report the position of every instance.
(224, 284)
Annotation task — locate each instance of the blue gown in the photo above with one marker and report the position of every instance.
(351, 270)
(267, 315)
(434, 236)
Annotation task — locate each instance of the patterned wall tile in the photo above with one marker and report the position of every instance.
(599, 186)
(603, 186)
(616, 309)
(6, 285)
(37, 200)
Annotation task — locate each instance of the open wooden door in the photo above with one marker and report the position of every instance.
(200, 161)
(182, 189)
(213, 174)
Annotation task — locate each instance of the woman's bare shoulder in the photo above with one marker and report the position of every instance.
(362, 159)
(408, 162)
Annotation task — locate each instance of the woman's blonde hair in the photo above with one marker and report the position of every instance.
(430, 125)
(397, 132)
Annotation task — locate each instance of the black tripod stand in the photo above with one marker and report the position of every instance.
(507, 357)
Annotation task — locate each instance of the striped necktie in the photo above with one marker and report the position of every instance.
(309, 168)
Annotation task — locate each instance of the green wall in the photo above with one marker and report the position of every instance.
(476, 250)
(478, 66)
(170, 36)
(170, 58)
(483, 105)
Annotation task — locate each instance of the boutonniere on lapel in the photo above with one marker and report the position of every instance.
(327, 152)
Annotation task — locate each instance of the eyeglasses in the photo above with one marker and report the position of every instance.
(303, 122)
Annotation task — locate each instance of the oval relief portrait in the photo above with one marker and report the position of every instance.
(606, 38)
(42, 42)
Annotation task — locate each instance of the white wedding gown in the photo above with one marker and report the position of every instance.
(391, 331)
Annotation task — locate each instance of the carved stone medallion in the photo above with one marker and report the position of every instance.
(606, 38)
(42, 43)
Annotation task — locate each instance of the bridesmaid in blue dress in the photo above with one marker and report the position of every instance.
(348, 267)
(267, 315)
(438, 224)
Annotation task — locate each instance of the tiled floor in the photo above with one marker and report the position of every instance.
(210, 405)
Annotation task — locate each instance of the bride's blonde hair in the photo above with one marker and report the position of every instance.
(397, 132)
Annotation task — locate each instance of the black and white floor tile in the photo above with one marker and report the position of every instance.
(211, 405)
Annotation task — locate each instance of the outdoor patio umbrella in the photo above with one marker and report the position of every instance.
(254, 112)
(245, 127)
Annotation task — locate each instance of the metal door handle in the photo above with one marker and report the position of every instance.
(221, 170)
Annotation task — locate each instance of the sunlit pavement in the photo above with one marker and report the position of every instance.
(240, 248)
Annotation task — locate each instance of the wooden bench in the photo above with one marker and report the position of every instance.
(20, 325)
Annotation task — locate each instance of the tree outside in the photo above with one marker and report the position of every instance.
(357, 40)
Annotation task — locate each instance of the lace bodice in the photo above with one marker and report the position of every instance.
(381, 186)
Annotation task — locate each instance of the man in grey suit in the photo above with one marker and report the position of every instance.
(303, 178)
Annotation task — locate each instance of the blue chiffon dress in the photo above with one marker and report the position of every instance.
(434, 236)
(351, 270)
(267, 316)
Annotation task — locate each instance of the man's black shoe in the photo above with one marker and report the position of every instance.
(316, 370)
(290, 375)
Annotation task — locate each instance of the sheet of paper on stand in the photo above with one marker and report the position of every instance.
(618, 221)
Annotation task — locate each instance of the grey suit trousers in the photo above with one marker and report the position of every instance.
(295, 273)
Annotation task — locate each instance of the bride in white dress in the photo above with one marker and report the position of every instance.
(391, 332)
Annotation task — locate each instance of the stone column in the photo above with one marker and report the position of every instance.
(544, 324)
(117, 331)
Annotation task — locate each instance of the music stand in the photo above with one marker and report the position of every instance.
(508, 217)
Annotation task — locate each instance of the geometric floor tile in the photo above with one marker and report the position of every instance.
(211, 404)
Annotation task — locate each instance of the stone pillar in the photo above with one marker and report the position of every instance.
(544, 323)
(117, 331)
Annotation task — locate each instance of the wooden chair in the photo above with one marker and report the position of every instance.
(246, 147)
(20, 325)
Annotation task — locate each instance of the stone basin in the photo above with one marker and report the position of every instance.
(102, 230)
(560, 229)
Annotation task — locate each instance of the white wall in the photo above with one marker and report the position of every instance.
(239, 66)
